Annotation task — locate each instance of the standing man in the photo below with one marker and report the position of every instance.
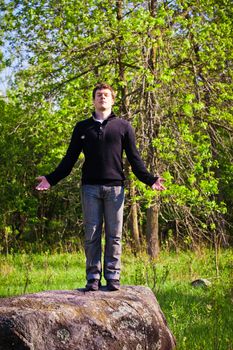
(102, 138)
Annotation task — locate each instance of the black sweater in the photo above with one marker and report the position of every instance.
(102, 145)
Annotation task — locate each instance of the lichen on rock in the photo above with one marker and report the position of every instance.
(127, 319)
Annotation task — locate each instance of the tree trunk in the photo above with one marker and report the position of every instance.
(124, 111)
(152, 231)
(134, 220)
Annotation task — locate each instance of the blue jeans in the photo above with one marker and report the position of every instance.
(103, 204)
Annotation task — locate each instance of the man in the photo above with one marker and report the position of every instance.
(102, 138)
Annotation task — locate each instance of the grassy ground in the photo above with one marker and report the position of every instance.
(200, 318)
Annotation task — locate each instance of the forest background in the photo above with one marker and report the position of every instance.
(171, 64)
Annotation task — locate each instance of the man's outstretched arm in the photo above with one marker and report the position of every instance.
(137, 164)
(66, 164)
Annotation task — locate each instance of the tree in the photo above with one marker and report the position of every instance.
(172, 65)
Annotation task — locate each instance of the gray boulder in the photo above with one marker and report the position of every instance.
(201, 282)
(128, 319)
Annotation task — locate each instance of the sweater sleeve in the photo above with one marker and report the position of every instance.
(137, 164)
(68, 161)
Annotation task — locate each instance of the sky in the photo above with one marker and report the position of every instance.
(4, 77)
(6, 73)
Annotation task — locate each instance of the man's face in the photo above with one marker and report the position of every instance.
(103, 100)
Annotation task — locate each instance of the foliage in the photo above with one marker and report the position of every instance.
(171, 63)
(28, 215)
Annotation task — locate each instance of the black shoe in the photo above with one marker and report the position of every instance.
(93, 285)
(113, 285)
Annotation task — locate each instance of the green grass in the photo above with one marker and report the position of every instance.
(200, 318)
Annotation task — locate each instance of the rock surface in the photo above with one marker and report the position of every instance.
(128, 319)
(201, 282)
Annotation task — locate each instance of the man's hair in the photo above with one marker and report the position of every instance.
(101, 86)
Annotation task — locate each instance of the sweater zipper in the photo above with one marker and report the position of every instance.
(100, 133)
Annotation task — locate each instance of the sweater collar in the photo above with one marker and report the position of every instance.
(110, 117)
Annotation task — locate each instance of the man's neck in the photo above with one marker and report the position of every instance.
(102, 115)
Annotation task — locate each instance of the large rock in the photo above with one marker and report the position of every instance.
(129, 319)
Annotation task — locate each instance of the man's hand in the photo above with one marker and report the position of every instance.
(43, 185)
(158, 185)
